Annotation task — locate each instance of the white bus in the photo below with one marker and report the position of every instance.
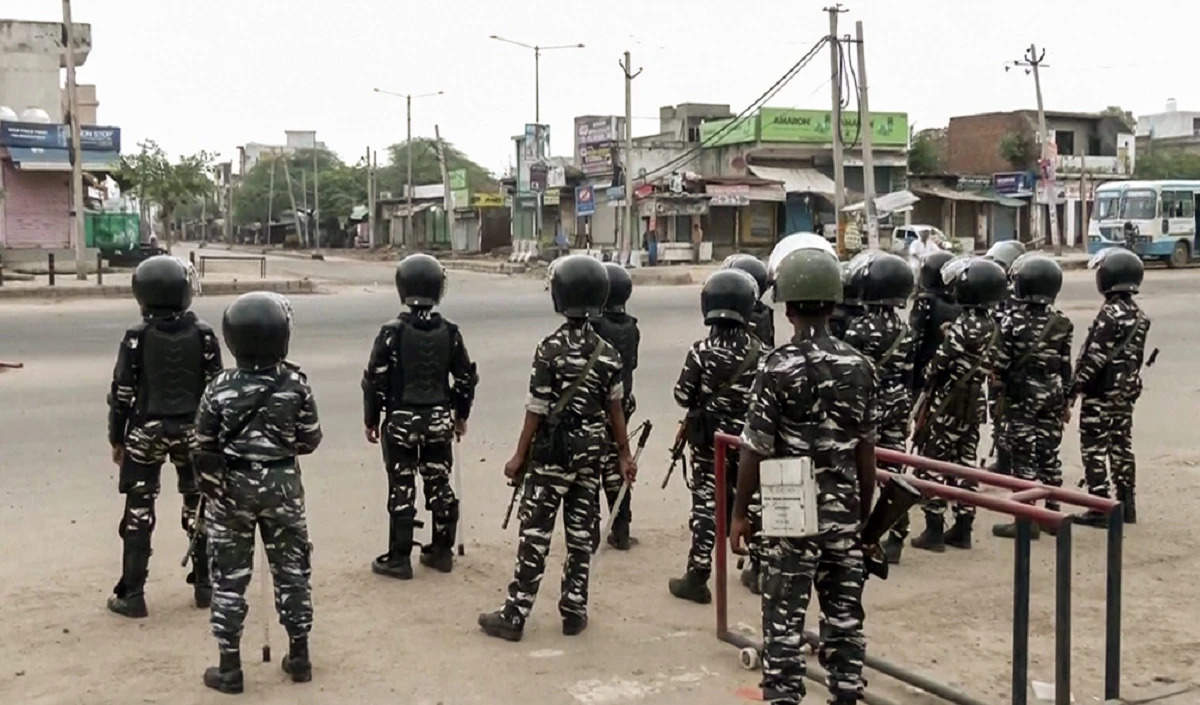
(1156, 219)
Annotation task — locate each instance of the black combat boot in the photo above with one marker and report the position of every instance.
(396, 562)
(619, 537)
(497, 625)
(892, 547)
(439, 554)
(1003, 464)
(226, 678)
(199, 578)
(749, 579)
(573, 624)
(1009, 530)
(933, 537)
(1093, 517)
(692, 586)
(1128, 506)
(296, 663)
(128, 598)
(959, 535)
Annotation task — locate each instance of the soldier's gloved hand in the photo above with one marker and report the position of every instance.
(118, 454)
(372, 434)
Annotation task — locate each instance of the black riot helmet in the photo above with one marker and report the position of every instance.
(162, 286)
(728, 295)
(620, 286)
(750, 265)
(976, 282)
(1036, 278)
(578, 286)
(257, 327)
(420, 280)
(851, 290)
(1117, 270)
(931, 271)
(1005, 253)
(886, 280)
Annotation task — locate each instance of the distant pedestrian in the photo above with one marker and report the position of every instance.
(697, 239)
(650, 240)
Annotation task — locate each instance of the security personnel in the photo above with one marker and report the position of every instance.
(884, 338)
(952, 405)
(163, 364)
(572, 414)
(762, 320)
(621, 331)
(933, 310)
(253, 422)
(814, 398)
(1032, 374)
(1108, 377)
(422, 381)
(714, 388)
(1004, 253)
(850, 307)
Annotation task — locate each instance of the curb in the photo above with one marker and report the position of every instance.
(660, 277)
(291, 286)
(485, 267)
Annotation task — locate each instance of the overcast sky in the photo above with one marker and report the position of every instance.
(212, 75)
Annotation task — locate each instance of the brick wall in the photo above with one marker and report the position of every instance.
(973, 142)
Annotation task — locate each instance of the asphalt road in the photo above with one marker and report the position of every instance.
(377, 639)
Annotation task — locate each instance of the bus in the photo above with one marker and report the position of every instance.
(1156, 219)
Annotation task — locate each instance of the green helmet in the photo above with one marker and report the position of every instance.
(809, 275)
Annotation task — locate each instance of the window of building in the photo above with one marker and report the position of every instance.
(1196, 127)
(693, 134)
(1065, 141)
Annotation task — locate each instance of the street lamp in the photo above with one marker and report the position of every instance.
(408, 231)
(537, 55)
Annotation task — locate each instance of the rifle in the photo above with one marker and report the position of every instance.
(895, 499)
(920, 416)
(518, 483)
(677, 452)
(197, 532)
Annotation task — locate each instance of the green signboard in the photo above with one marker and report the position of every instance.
(815, 126)
(459, 190)
(744, 131)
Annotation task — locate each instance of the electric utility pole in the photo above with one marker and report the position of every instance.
(626, 243)
(1033, 61)
(839, 177)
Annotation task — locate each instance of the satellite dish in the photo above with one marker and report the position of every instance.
(7, 113)
(35, 115)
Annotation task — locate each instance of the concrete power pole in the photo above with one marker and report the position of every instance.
(839, 177)
(77, 215)
(316, 194)
(1034, 59)
(370, 202)
(867, 158)
(630, 228)
(409, 239)
(447, 197)
(270, 204)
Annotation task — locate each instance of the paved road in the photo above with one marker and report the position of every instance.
(378, 640)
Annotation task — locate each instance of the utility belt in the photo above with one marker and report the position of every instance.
(212, 468)
(559, 438)
(241, 464)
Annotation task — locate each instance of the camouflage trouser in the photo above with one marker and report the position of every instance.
(1002, 432)
(954, 444)
(1035, 439)
(611, 482)
(271, 498)
(147, 446)
(790, 569)
(433, 462)
(1106, 443)
(893, 434)
(546, 487)
(703, 518)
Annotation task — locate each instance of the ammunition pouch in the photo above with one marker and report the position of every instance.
(553, 443)
(700, 426)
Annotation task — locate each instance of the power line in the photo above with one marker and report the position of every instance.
(691, 154)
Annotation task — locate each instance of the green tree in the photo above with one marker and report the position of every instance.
(427, 170)
(341, 187)
(1167, 164)
(151, 177)
(1125, 116)
(926, 154)
(1019, 150)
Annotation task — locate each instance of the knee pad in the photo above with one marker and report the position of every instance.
(135, 477)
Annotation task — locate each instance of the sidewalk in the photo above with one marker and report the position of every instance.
(117, 285)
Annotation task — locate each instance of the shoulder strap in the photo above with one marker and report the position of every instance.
(894, 346)
(1051, 322)
(750, 359)
(569, 394)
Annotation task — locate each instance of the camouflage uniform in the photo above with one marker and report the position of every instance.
(1033, 362)
(843, 315)
(416, 437)
(815, 398)
(883, 337)
(929, 313)
(955, 379)
(152, 413)
(762, 323)
(709, 365)
(997, 412)
(1108, 377)
(619, 330)
(275, 409)
(571, 480)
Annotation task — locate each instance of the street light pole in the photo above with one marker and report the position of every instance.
(537, 58)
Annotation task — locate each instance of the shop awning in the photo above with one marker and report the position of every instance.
(42, 159)
(797, 180)
(950, 194)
